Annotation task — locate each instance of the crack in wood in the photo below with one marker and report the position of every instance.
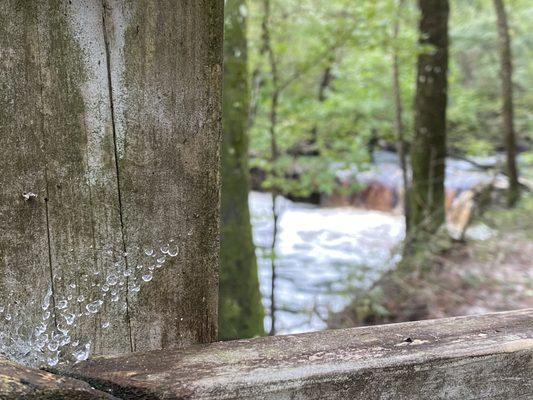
(117, 166)
(47, 198)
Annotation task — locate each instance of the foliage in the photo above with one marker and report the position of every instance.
(354, 40)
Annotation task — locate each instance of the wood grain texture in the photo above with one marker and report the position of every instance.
(477, 357)
(24, 263)
(17, 382)
(110, 113)
(166, 58)
(83, 211)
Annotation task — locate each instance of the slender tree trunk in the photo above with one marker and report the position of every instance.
(274, 151)
(398, 112)
(240, 308)
(275, 218)
(506, 74)
(428, 151)
(325, 83)
(275, 214)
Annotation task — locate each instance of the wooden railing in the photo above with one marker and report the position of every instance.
(476, 357)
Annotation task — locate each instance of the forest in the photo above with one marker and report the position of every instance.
(266, 199)
(359, 111)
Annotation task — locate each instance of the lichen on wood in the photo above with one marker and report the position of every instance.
(110, 114)
(459, 358)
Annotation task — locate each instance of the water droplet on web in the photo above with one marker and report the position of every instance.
(81, 298)
(82, 353)
(112, 280)
(61, 328)
(164, 249)
(70, 318)
(105, 325)
(62, 304)
(40, 329)
(127, 272)
(147, 277)
(41, 341)
(8, 317)
(72, 286)
(105, 287)
(52, 361)
(53, 345)
(64, 341)
(149, 252)
(46, 315)
(94, 306)
(46, 300)
(173, 252)
(135, 289)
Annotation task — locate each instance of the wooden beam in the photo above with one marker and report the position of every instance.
(110, 125)
(18, 382)
(474, 357)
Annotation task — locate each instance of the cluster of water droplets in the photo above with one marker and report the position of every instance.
(52, 340)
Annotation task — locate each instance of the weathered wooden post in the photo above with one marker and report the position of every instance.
(109, 150)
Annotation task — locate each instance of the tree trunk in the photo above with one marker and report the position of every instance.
(506, 73)
(240, 308)
(325, 83)
(428, 150)
(110, 116)
(398, 114)
(274, 153)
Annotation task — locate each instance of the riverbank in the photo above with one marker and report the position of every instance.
(491, 271)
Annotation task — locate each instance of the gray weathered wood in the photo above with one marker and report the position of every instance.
(477, 357)
(166, 63)
(17, 382)
(110, 113)
(24, 264)
(83, 212)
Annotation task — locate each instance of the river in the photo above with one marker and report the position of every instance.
(322, 254)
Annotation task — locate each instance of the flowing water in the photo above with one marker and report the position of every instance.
(322, 254)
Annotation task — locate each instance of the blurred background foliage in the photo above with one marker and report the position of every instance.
(353, 41)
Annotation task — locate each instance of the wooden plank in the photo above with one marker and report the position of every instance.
(476, 357)
(82, 82)
(166, 63)
(17, 382)
(24, 263)
(83, 213)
